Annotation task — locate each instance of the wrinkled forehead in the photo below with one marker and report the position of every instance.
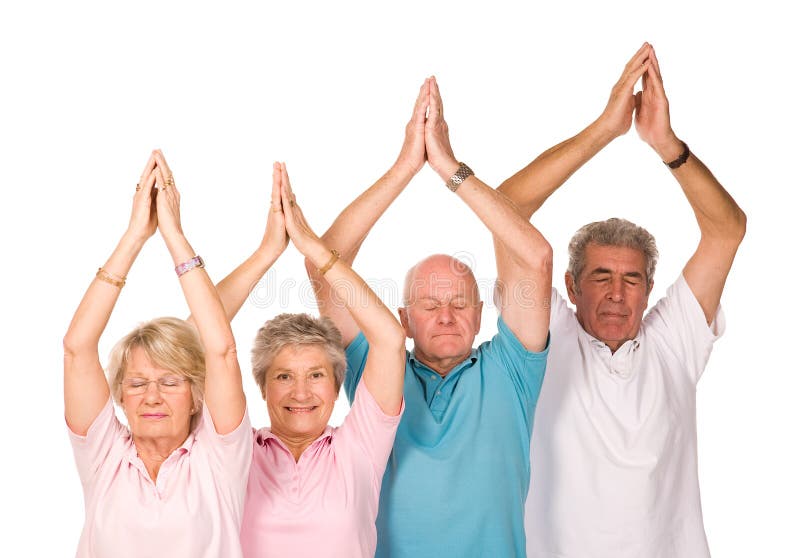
(615, 259)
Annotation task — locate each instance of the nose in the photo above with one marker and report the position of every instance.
(615, 290)
(445, 315)
(300, 390)
(151, 392)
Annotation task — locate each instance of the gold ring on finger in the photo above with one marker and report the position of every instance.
(169, 181)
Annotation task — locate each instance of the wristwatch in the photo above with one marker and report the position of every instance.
(460, 176)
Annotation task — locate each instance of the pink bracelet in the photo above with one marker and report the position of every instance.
(197, 261)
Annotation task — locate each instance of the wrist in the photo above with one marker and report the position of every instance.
(447, 169)
(133, 240)
(268, 252)
(669, 148)
(318, 254)
(179, 248)
(602, 132)
(403, 170)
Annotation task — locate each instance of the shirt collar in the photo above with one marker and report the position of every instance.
(184, 448)
(628, 347)
(264, 435)
(419, 366)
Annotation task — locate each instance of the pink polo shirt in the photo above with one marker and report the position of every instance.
(325, 504)
(194, 508)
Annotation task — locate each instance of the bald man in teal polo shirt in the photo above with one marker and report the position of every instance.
(458, 476)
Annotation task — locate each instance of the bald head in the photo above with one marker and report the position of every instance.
(440, 276)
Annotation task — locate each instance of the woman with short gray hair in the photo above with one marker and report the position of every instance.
(313, 489)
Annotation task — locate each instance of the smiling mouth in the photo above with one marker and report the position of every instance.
(300, 409)
(154, 416)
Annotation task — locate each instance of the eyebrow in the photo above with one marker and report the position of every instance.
(604, 271)
(277, 370)
(453, 298)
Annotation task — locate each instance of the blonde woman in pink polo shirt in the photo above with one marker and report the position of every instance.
(313, 490)
(171, 483)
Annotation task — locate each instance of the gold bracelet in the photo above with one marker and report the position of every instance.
(115, 280)
(334, 257)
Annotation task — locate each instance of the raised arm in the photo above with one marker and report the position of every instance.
(722, 223)
(234, 289)
(85, 386)
(531, 186)
(524, 257)
(352, 226)
(223, 393)
(385, 367)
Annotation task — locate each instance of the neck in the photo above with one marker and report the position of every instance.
(441, 366)
(154, 451)
(297, 444)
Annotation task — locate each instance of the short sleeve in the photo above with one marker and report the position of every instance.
(679, 319)
(373, 430)
(561, 315)
(356, 355)
(92, 451)
(232, 451)
(525, 368)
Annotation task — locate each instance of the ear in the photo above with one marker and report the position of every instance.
(403, 313)
(570, 282)
(480, 314)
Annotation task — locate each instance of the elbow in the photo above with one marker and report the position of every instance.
(224, 347)
(72, 345)
(395, 337)
(539, 257)
(741, 225)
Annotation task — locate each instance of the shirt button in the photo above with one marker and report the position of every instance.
(438, 393)
(433, 376)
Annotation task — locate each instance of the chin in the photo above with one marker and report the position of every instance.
(615, 335)
(448, 347)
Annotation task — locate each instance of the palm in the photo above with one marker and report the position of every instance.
(652, 120)
(275, 234)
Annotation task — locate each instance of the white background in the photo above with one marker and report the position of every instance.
(89, 88)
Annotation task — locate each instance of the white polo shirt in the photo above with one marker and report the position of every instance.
(614, 447)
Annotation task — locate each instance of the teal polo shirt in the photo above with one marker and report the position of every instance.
(457, 478)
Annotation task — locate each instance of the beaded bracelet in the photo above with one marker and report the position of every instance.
(107, 277)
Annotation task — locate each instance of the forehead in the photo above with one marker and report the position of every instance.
(442, 278)
(301, 357)
(139, 363)
(617, 259)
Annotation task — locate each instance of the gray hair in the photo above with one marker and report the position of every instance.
(169, 343)
(612, 232)
(289, 330)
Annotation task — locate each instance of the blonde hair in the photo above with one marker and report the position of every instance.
(169, 343)
(286, 330)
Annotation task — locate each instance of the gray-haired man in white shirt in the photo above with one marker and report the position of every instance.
(614, 448)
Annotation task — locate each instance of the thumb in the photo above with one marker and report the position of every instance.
(637, 101)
